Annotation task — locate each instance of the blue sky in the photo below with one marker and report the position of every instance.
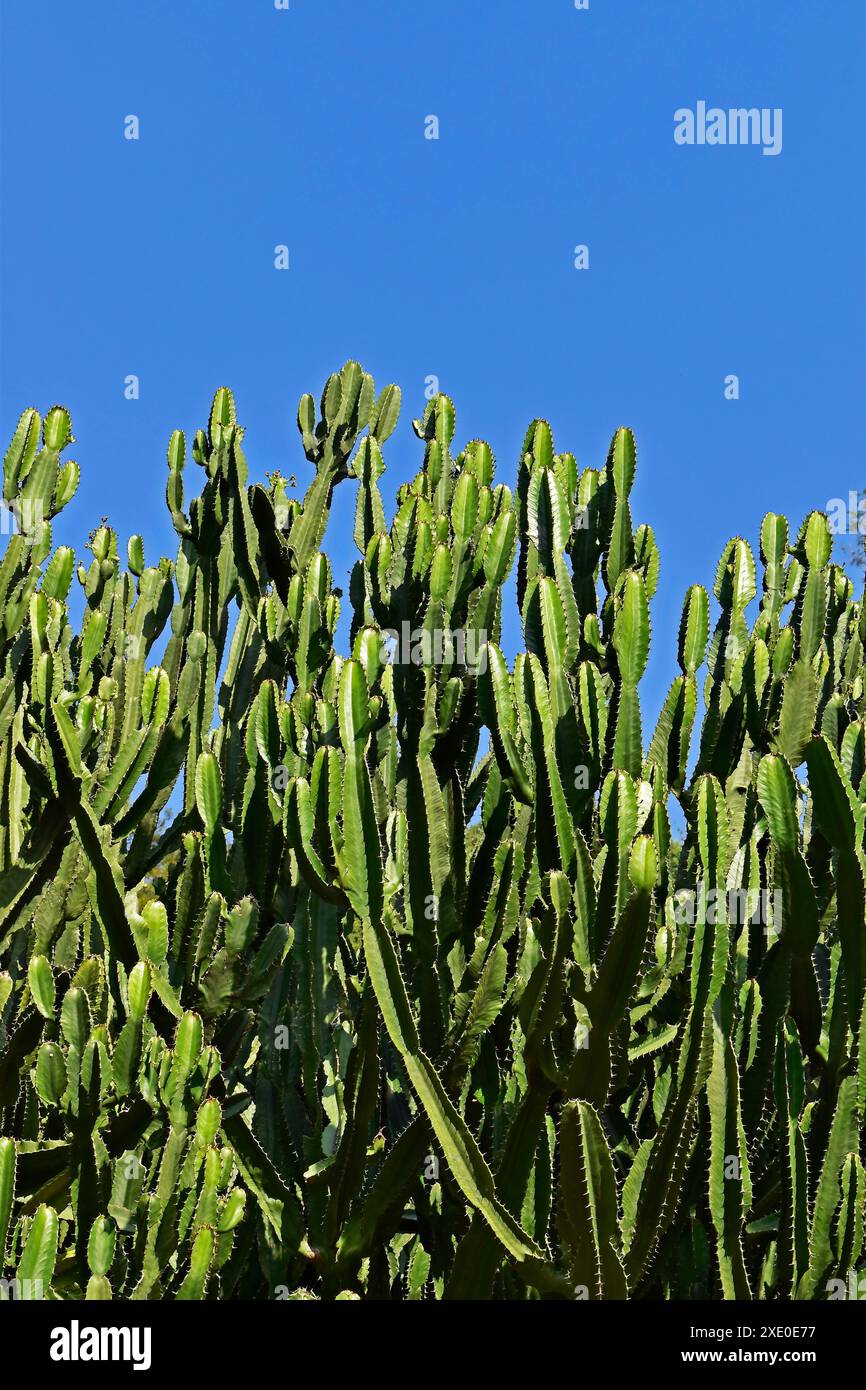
(451, 257)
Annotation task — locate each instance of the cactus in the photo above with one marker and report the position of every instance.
(381, 973)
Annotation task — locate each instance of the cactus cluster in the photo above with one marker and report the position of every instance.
(385, 976)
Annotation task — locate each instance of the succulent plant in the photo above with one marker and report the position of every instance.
(383, 974)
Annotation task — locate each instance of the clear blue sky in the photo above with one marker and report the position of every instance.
(452, 257)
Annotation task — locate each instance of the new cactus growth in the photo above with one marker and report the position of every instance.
(381, 973)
